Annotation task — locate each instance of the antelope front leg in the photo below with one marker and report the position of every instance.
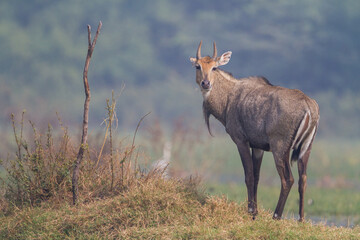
(257, 155)
(246, 159)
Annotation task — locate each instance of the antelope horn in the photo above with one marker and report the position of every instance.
(215, 51)
(198, 54)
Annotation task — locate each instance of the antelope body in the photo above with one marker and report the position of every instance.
(260, 117)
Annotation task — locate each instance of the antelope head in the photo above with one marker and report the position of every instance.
(205, 66)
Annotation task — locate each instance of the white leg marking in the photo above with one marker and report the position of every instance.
(307, 142)
(301, 130)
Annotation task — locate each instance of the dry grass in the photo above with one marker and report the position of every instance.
(159, 209)
(40, 168)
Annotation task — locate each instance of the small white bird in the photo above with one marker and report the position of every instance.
(161, 165)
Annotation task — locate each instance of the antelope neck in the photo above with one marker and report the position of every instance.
(216, 101)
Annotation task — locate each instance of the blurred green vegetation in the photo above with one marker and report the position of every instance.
(310, 45)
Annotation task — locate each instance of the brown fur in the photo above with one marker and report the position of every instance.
(262, 117)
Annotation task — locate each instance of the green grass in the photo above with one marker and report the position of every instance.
(159, 209)
(318, 201)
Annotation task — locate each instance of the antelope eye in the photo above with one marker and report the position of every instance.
(214, 68)
(197, 66)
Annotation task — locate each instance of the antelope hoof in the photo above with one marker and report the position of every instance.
(301, 219)
(250, 210)
(276, 216)
(253, 212)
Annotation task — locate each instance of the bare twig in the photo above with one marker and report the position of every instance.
(111, 110)
(83, 146)
(137, 127)
(133, 142)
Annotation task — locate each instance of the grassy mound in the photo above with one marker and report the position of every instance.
(159, 209)
(119, 200)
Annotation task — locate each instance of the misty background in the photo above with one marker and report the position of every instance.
(310, 45)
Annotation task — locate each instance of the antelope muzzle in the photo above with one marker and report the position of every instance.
(205, 84)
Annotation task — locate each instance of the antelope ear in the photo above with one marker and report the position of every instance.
(192, 60)
(224, 59)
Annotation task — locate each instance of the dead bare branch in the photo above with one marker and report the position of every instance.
(83, 146)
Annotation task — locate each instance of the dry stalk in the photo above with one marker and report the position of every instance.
(112, 116)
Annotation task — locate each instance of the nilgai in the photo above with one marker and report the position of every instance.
(260, 117)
